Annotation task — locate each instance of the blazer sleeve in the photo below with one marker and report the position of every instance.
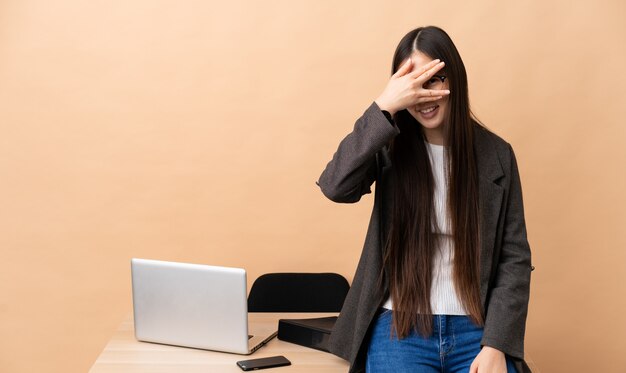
(352, 170)
(507, 306)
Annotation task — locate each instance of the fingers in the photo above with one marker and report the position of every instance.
(437, 92)
(424, 68)
(405, 68)
(474, 367)
(429, 95)
(423, 100)
(427, 71)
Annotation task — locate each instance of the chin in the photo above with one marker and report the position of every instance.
(430, 125)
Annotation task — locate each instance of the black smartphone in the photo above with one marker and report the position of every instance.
(266, 362)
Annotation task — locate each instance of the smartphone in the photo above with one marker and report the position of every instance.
(266, 362)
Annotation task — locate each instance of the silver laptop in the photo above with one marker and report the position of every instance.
(194, 305)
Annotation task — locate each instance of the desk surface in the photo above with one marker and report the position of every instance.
(124, 353)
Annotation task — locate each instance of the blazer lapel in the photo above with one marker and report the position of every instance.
(490, 196)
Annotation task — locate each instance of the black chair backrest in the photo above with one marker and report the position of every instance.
(298, 292)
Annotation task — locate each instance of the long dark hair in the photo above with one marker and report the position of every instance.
(411, 243)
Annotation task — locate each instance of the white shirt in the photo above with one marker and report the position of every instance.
(443, 297)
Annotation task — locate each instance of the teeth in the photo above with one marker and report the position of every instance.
(426, 111)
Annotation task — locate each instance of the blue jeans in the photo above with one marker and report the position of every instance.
(451, 348)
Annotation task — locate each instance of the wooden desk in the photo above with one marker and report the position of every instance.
(124, 353)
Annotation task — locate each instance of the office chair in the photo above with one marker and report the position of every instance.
(298, 292)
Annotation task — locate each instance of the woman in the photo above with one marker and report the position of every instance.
(443, 280)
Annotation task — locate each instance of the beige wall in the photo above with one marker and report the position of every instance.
(194, 131)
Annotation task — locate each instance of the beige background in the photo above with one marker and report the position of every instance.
(195, 130)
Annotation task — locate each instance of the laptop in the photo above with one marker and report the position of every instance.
(193, 305)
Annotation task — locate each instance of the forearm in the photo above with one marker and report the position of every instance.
(352, 169)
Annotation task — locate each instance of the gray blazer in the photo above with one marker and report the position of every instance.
(505, 259)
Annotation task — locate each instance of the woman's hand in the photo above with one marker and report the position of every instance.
(405, 88)
(489, 360)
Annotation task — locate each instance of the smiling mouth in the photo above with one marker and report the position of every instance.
(429, 110)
